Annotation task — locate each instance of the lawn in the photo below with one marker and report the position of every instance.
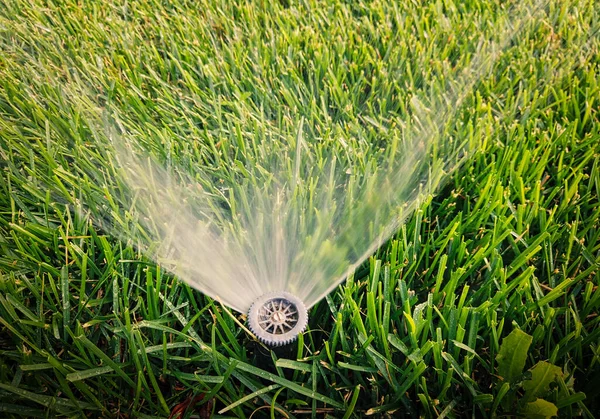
(482, 303)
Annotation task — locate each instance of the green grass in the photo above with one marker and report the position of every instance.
(90, 327)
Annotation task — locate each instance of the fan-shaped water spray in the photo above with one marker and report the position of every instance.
(295, 215)
(295, 218)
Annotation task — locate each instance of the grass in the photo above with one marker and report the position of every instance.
(91, 327)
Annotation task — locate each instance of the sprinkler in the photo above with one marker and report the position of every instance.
(277, 318)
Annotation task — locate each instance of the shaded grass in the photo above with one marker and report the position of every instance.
(91, 327)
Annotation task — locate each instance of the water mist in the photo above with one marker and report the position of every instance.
(292, 219)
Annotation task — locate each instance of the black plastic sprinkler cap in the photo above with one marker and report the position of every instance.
(277, 318)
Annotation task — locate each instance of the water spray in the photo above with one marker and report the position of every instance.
(299, 228)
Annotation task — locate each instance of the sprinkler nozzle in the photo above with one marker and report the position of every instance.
(277, 318)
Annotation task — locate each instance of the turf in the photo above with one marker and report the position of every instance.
(91, 327)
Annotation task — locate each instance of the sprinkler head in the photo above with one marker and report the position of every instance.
(277, 318)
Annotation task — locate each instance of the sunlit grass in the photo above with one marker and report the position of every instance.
(88, 326)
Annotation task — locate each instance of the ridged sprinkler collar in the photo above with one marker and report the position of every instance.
(277, 318)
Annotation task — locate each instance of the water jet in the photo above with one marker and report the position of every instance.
(294, 214)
